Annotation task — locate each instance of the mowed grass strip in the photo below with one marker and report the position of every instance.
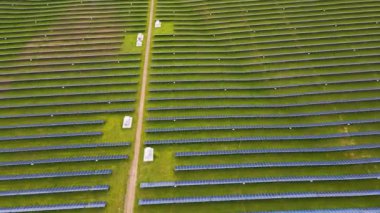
(231, 49)
(52, 48)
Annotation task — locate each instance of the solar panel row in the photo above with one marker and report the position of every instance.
(105, 69)
(266, 151)
(217, 24)
(63, 160)
(67, 104)
(55, 207)
(207, 117)
(271, 41)
(358, 16)
(247, 106)
(59, 124)
(63, 26)
(69, 94)
(247, 80)
(261, 138)
(55, 175)
(324, 83)
(262, 96)
(259, 180)
(66, 64)
(68, 86)
(42, 58)
(9, 37)
(66, 135)
(250, 64)
(268, 196)
(54, 190)
(348, 210)
(360, 161)
(239, 32)
(67, 113)
(267, 55)
(274, 70)
(30, 80)
(367, 40)
(63, 147)
(245, 127)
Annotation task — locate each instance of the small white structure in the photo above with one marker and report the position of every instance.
(157, 24)
(127, 122)
(148, 154)
(139, 40)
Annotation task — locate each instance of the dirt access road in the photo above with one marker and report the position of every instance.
(132, 179)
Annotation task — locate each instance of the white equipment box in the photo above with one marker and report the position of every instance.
(148, 154)
(127, 122)
(157, 24)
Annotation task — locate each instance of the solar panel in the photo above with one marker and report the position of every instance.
(82, 56)
(67, 86)
(67, 104)
(88, 112)
(240, 35)
(268, 196)
(347, 210)
(266, 151)
(55, 175)
(55, 207)
(271, 41)
(105, 69)
(277, 164)
(63, 160)
(279, 70)
(246, 127)
(54, 190)
(265, 63)
(70, 123)
(63, 147)
(62, 64)
(258, 87)
(68, 94)
(261, 138)
(261, 96)
(68, 78)
(30, 137)
(262, 105)
(220, 24)
(326, 73)
(259, 180)
(207, 117)
(259, 49)
(294, 54)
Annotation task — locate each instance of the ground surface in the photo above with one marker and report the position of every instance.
(132, 181)
(73, 29)
(265, 59)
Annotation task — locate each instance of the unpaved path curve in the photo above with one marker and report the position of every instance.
(132, 179)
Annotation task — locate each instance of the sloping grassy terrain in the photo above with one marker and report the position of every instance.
(269, 60)
(68, 57)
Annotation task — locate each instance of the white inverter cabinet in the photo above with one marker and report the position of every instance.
(148, 154)
(127, 122)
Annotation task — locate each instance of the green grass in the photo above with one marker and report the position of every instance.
(205, 31)
(166, 28)
(112, 131)
(196, 23)
(129, 44)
